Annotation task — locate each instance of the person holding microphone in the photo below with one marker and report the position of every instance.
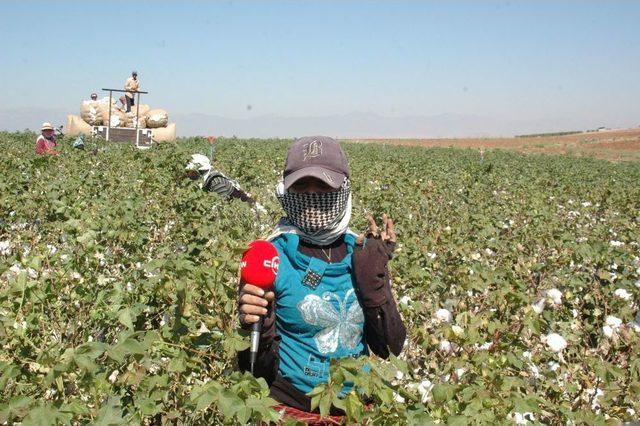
(331, 296)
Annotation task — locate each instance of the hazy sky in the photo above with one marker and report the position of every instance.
(505, 60)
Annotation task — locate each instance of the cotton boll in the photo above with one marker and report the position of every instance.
(405, 300)
(608, 331)
(423, 389)
(553, 366)
(555, 296)
(445, 346)
(522, 418)
(483, 347)
(622, 294)
(614, 243)
(535, 371)
(457, 330)
(398, 398)
(443, 315)
(614, 322)
(555, 342)
(113, 376)
(538, 307)
(594, 395)
(5, 248)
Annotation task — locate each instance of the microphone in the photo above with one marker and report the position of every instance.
(259, 267)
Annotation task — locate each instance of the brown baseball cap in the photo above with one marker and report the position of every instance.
(316, 156)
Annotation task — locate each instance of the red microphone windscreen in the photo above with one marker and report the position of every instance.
(260, 264)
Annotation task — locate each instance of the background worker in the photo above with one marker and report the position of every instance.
(131, 86)
(94, 96)
(46, 142)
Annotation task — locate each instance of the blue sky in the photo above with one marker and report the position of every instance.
(504, 60)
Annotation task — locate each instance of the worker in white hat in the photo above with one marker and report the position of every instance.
(46, 142)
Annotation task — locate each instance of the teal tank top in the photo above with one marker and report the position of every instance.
(318, 316)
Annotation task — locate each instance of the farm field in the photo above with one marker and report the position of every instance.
(614, 145)
(518, 277)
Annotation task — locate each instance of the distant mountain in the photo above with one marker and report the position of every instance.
(31, 118)
(367, 125)
(354, 125)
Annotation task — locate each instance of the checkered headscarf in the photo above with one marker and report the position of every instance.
(316, 213)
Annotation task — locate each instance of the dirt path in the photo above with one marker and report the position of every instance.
(615, 145)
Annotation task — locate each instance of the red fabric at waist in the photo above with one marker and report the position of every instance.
(308, 418)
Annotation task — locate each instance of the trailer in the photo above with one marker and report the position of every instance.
(141, 138)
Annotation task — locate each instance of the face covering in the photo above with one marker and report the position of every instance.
(316, 212)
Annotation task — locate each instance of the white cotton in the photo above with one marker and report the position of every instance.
(555, 295)
(260, 208)
(399, 375)
(522, 418)
(586, 204)
(613, 322)
(424, 388)
(538, 307)
(443, 315)
(398, 398)
(553, 366)
(535, 371)
(483, 347)
(608, 331)
(460, 372)
(5, 248)
(405, 300)
(476, 256)
(614, 243)
(431, 255)
(113, 376)
(457, 330)
(555, 342)
(594, 395)
(445, 346)
(622, 294)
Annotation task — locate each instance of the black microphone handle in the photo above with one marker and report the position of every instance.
(256, 329)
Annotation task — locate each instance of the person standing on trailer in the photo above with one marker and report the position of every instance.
(131, 86)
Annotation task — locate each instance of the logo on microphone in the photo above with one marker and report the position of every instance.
(273, 264)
